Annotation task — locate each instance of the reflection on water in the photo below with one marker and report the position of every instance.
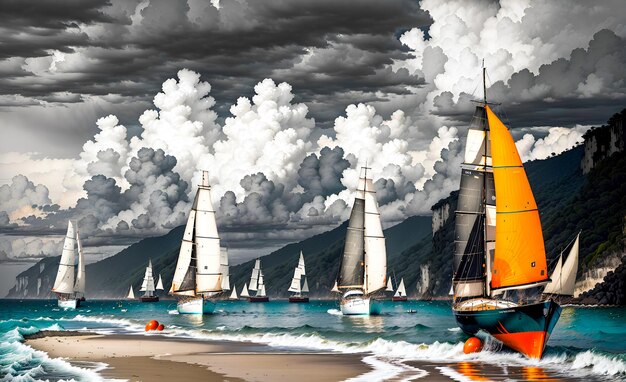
(471, 370)
(369, 324)
(532, 373)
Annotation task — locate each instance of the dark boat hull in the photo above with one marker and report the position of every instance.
(149, 299)
(524, 328)
(403, 298)
(298, 299)
(258, 299)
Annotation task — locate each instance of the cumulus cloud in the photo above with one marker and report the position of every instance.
(29, 249)
(21, 197)
(559, 139)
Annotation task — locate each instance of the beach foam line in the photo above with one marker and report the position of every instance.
(582, 363)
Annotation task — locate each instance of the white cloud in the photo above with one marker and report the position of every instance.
(559, 139)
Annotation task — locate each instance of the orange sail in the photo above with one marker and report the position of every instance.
(520, 257)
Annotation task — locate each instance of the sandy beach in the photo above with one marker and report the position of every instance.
(158, 358)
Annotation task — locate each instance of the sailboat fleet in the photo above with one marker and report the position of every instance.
(499, 260)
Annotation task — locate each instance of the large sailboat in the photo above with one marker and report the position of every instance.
(499, 243)
(363, 267)
(70, 288)
(198, 277)
(297, 287)
(563, 277)
(147, 286)
(257, 284)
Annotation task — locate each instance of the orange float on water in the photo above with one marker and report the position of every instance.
(152, 325)
(472, 345)
(160, 327)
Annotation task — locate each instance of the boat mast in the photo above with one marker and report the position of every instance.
(485, 246)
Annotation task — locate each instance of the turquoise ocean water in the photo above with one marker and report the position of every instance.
(587, 343)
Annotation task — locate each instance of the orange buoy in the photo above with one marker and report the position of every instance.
(152, 325)
(472, 345)
(160, 327)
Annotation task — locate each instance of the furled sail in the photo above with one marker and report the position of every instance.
(224, 268)
(519, 259)
(79, 287)
(401, 292)
(563, 278)
(244, 291)
(131, 293)
(64, 282)
(374, 240)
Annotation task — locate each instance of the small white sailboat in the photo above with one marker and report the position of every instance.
(400, 294)
(257, 284)
(364, 262)
(233, 295)
(198, 277)
(244, 291)
(563, 277)
(159, 285)
(389, 285)
(147, 286)
(131, 293)
(296, 286)
(335, 288)
(65, 286)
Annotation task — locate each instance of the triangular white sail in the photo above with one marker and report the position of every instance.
(298, 272)
(224, 268)
(389, 285)
(233, 295)
(261, 287)
(64, 282)
(160, 283)
(79, 287)
(374, 239)
(131, 293)
(244, 291)
(148, 281)
(305, 286)
(335, 288)
(301, 265)
(564, 275)
(199, 265)
(401, 292)
(254, 278)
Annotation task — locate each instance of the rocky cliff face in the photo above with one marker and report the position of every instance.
(604, 141)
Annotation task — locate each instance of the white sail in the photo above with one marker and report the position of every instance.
(233, 295)
(564, 275)
(254, 278)
(207, 241)
(375, 250)
(64, 282)
(244, 291)
(335, 288)
(224, 268)
(160, 283)
(301, 265)
(261, 291)
(298, 272)
(305, 286)
(401, 292)
(148, 281)
(79, 287)
(261, 287)
(389, 285)
(184, 256)
(131, 293)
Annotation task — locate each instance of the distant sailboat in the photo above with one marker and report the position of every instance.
(198, 278)
(563, 278)
(257, 283)
(364, 262)
(389, 285)
(335, 288)
(131, 293)
(400, 294)
(499, 242)
(65, 287)
(233, 295)
(147, 286)
(244, 291)
(299, 274)
(160, 284)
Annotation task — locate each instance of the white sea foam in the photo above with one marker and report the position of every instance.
(334, 312)
(454, 329)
